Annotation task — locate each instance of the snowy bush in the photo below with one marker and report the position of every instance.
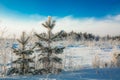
(115, 59)
(96, 62)
(100, 63)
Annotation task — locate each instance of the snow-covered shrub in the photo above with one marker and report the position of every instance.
(96, 62)
(100, 63)
(115, 59)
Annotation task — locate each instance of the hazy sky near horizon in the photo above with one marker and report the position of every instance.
(100, 17)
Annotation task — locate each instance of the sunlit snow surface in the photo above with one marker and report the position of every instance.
(84, 74)
(77, 60)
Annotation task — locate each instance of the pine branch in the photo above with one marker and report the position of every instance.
(56, 35)
(44, 59)
(47, 23)
(39, 44)
(34, 46)
(52, 25)
(58, 50)
(21, 61)
(27, 52)
(41, 37)
(17, 52)
(19, 41)
(26, 41)
(41, 54)
(56, 59)
(46, 26)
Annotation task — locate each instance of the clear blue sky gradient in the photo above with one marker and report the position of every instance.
(61, 8)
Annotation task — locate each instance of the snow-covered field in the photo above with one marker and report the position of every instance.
(84, 74)
(78, 63)
(77, 56)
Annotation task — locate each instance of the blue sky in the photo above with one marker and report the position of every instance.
(100, 17)
(61, 8)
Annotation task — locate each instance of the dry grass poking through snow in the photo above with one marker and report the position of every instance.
(113, 63)
(116, 59)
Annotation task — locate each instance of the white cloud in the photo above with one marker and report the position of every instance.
(101, 27)
(108, 25)
(16, 26)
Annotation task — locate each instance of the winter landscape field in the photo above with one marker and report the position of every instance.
(59, 39)
(82, 61)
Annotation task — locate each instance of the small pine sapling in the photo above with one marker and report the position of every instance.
(23, 58)
(50, 61)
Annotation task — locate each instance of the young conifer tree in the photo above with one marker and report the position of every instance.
(23, 61)
(49, 58)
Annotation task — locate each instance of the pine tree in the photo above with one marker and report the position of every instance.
(23, 61)
(49, 58)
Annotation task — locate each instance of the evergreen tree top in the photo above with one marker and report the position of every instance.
(49, 24)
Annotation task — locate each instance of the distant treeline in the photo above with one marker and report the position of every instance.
(78, 36)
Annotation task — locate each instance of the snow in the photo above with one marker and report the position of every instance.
(77, 63)
(84, 74)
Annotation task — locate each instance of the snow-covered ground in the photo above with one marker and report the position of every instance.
(78, 63)
(84, 74)
(77, 56)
